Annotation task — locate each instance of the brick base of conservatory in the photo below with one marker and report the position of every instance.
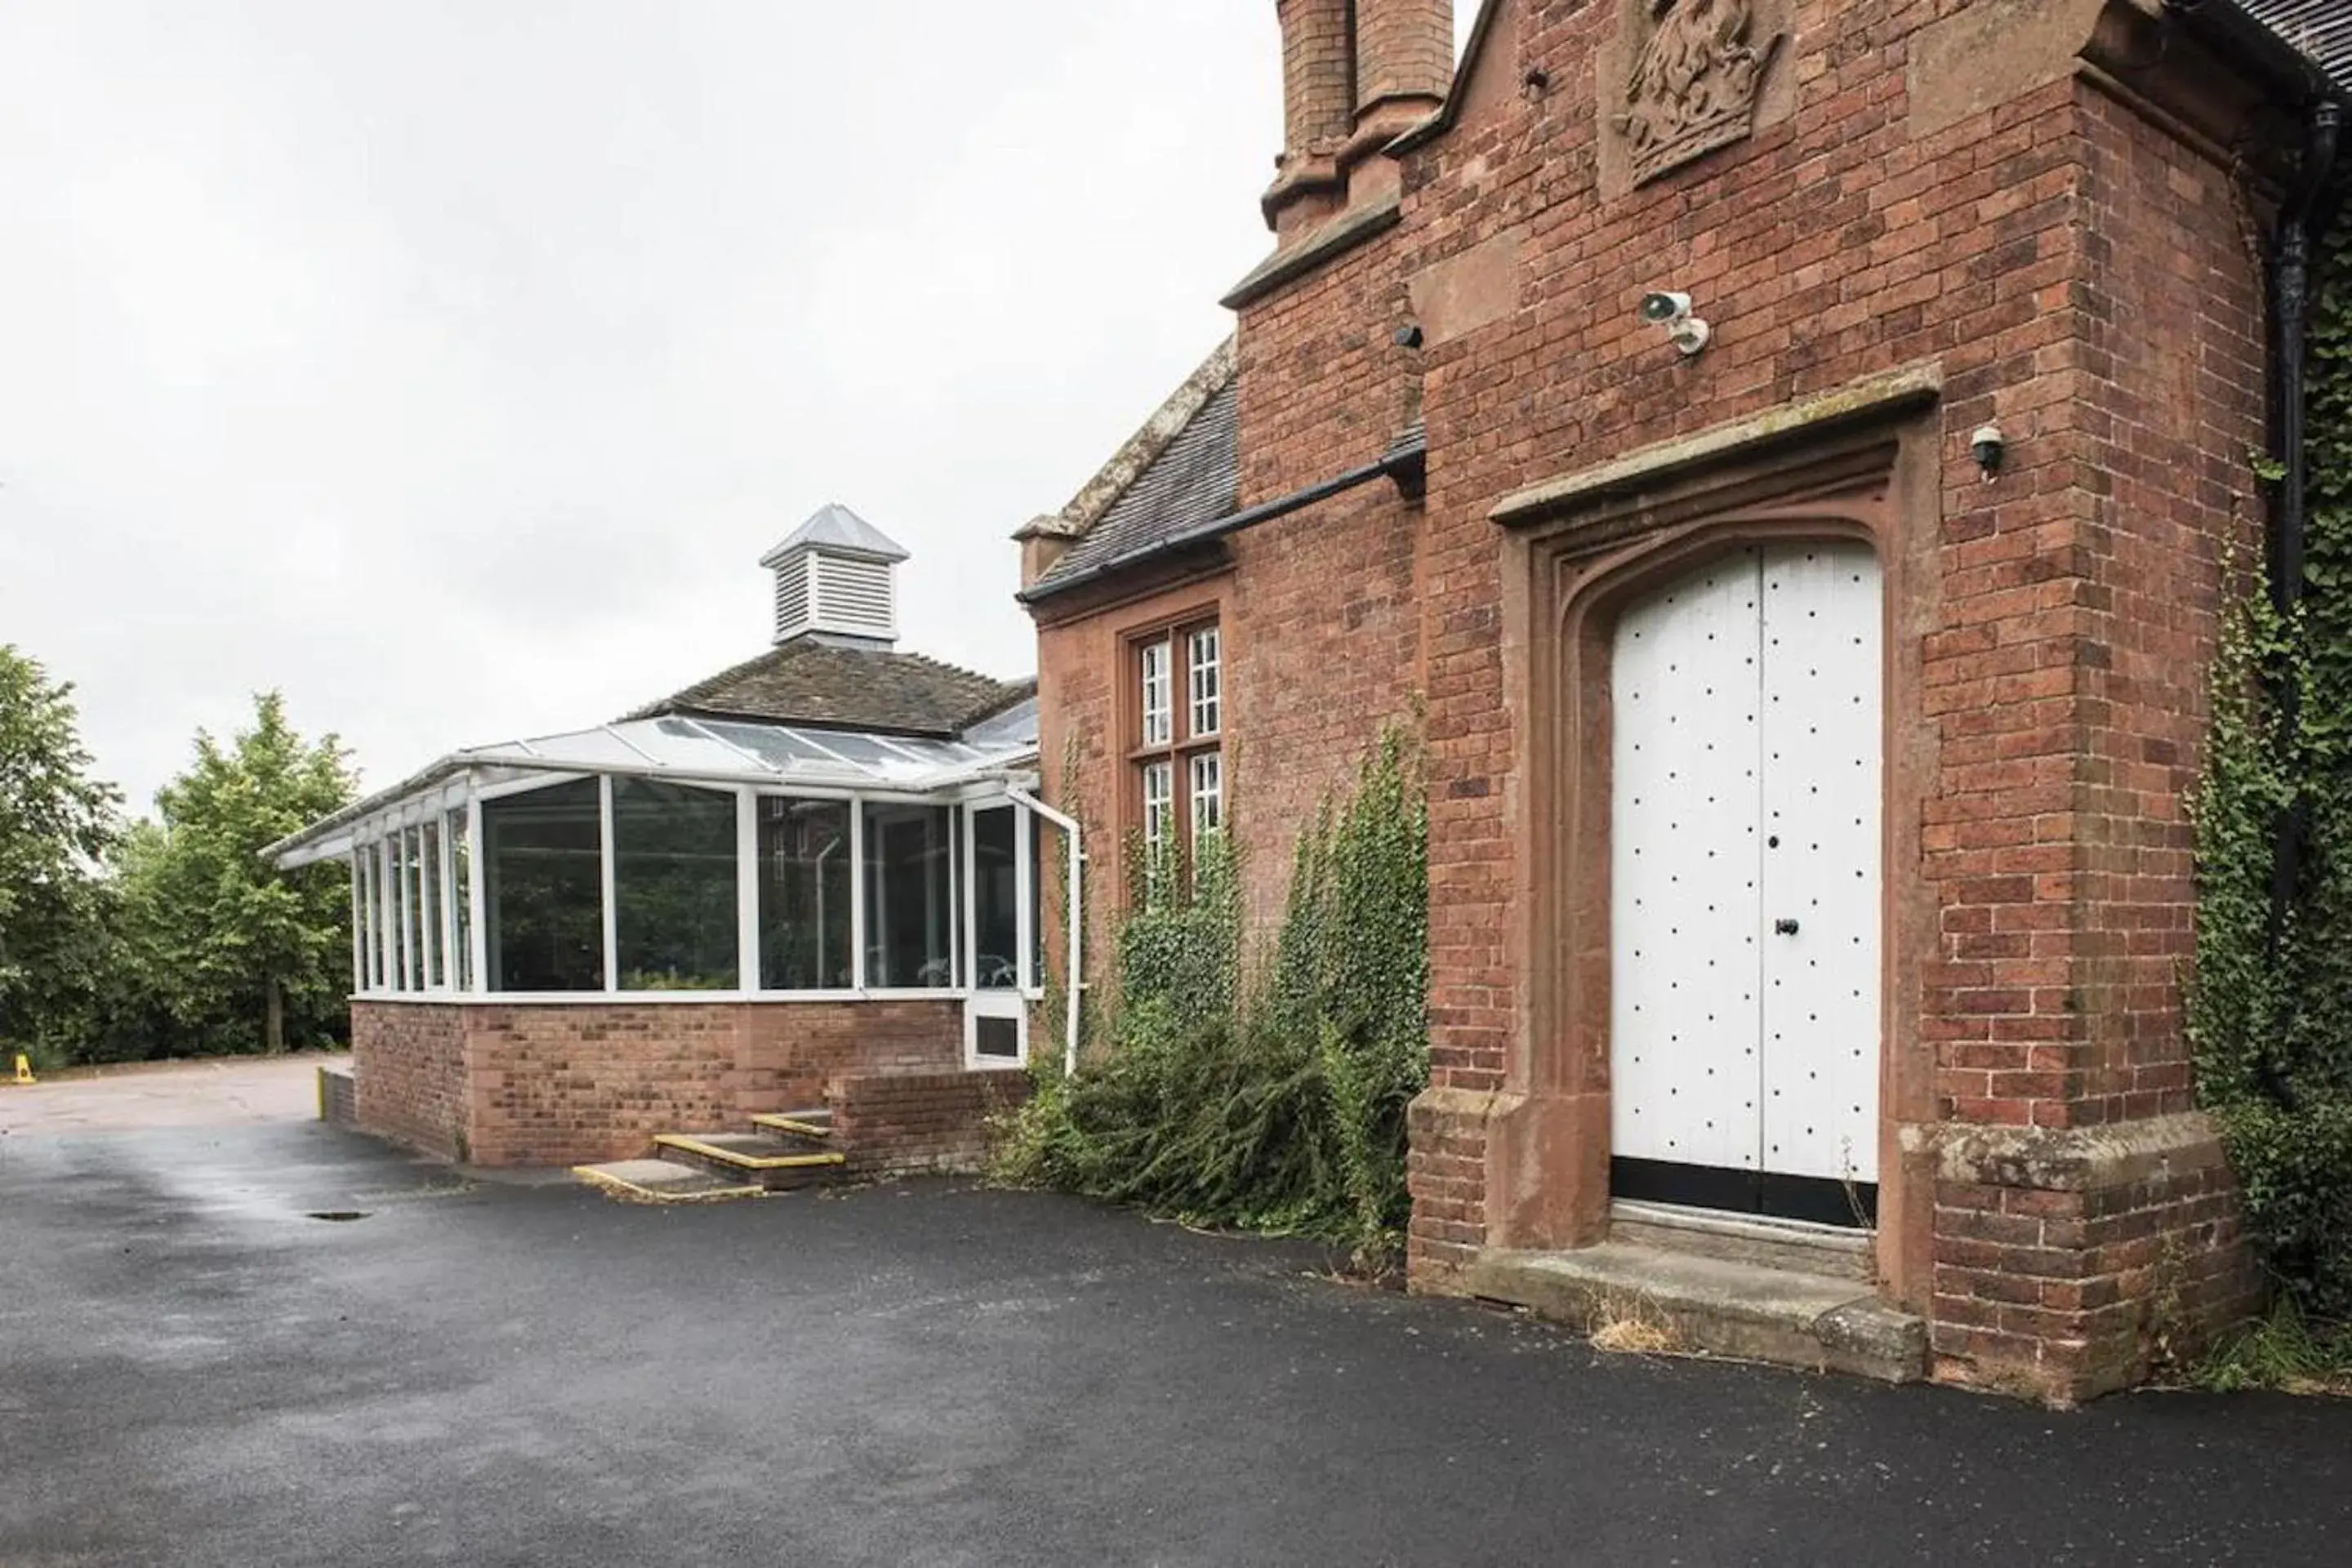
(523, 1085)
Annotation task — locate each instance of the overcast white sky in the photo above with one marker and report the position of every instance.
(449, 364)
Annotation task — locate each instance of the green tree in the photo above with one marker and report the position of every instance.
(55, 822)
(235, 953)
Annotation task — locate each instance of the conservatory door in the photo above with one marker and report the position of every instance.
(996, 1014)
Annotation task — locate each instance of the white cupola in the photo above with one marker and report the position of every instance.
(833, 580)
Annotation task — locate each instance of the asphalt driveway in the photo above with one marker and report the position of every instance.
(194, 1372)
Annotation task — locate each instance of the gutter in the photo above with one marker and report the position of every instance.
(1406, 461)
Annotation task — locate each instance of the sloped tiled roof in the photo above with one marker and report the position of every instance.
(806, 681)
(1195, 480)
(2320, 29)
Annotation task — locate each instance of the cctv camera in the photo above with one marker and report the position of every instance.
(1691, 335)
(1988, 446)
(1665, 309)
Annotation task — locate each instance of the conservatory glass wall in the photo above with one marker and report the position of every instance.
(618, 885)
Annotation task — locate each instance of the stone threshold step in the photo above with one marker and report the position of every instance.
(661, 1181)
(1714, 1305)
(1793, 1245)
(748, 1151)
(797, 1124)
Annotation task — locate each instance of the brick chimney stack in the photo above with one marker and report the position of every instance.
(1318, 109)
(1355, 74)
(1404, 62)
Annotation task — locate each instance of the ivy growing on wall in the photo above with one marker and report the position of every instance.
(1258, 1085)
(2270, 1008)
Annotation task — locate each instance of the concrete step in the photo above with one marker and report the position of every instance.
(775, 1163)
(1790, 1245)
(662, 1182)
(1714, 1305)
(814, 1127)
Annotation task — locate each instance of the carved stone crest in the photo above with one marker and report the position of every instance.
(1694, 85)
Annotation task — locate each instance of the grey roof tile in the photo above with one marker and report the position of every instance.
(1196, 479)
(807, 682)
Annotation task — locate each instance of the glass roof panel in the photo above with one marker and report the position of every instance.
(782, 750)
(939, 753)
(867, 750)
(681, 743)
(585, 748)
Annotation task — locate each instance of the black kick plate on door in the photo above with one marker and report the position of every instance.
(1815, 1198)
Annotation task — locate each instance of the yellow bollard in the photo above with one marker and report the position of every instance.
(24, 1068)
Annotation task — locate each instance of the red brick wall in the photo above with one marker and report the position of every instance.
(562, 1085)
(905, 1122)
(528, 1085)
(2075, 274)
(2064, 1294)
(2172, 349)
(409, 1061)
(1326, 645)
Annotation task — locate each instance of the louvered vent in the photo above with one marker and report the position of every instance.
(852, 598)
(792, 597)
(833, 578)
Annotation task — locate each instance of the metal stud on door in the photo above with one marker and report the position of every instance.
(1684, 693)
(1744, 864)
(1821, 726)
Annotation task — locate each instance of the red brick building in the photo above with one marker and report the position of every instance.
(1783, 455)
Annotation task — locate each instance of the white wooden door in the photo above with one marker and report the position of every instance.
(1745, 873)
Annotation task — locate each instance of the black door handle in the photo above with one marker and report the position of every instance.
(1784, 928)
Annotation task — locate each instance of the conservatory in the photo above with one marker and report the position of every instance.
(808, 883)
(679, 858)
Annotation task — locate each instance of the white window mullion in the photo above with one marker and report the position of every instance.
(611, 911)
(857, 894)
(379, 927)
(407, 907)
(747, 887)
(450, 967)
(478, 934)
(1025, 887)
(967, 944)
(396, 966)
(428, 905)
(359, 924)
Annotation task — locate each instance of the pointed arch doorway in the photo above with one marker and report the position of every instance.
(1745, 865)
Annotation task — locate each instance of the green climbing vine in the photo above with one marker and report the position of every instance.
(2270, 1006)
(1258, 1085)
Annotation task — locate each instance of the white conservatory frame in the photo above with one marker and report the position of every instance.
(407, 926)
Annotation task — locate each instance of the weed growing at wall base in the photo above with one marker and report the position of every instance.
(1259, 1087)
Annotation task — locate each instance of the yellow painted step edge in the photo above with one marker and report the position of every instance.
(786, 1124)
(628, 1192)
(747, 1161)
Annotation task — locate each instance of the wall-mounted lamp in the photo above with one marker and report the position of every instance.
(1989, 447)
(1409, 335)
